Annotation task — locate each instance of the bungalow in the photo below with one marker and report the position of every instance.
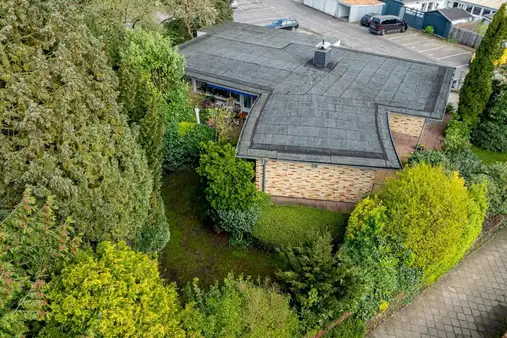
(327, 123)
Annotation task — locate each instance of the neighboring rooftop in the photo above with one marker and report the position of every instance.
(361, 2)
(455, 13)
(337, 114)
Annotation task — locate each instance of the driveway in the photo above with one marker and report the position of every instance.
(411, 45)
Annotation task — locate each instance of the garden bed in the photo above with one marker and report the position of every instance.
(288, 225)
(194, 250)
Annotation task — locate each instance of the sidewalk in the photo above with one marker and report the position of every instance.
(470, 301)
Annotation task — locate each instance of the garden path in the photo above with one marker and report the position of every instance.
(470, 301)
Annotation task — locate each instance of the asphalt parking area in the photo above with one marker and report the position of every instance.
(451, 54)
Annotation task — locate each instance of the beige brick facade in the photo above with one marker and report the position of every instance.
(314, 181)
(407, 125)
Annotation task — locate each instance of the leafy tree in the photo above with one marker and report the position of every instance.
(33, 247)
(476, 90)
(239, 307)
(229, 189)
(149, 69)
(491, 133)
(108, 19)
(194, 14)
(321, 284)
(434, 215)
(114, 292)
(61, 129)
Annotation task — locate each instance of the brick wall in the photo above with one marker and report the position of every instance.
(407, 125)
(323, 182)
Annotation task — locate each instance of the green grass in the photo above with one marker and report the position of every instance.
(489, 156)
(194, 249)
(289, 226)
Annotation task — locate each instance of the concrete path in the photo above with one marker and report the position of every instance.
(470, 301)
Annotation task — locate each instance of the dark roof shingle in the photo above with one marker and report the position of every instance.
(455, 13)
(337, 115)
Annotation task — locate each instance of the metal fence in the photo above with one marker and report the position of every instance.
(465, 37)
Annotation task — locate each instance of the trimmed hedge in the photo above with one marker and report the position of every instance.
(283, 226)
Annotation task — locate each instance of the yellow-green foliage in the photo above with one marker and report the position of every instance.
(435, 215)
(115, 292)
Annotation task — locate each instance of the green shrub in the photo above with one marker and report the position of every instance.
(236, 222)
(457, 135)
(321, 284)
(290, 226)
(113, 292)
(239, 307)
(496, 175)
(450, 109)
(383, 261)
(491, 135)
(352, 327)
(228, 188)
(434, 215)
(431, 157)
(465, 162)
(182, 145)
(429, 30)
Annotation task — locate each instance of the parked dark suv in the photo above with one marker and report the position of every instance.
(384, 24)
(365, 20)
(284, 23)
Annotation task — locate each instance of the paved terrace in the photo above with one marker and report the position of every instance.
(470, 301)
(337, 114)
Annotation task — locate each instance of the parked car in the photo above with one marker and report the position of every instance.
(365, 20)
(284, 23)
(384, 24)
(234, 4)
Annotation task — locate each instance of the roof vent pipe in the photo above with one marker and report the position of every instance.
(322, 54)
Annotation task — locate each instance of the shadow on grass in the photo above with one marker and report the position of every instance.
(194, 250)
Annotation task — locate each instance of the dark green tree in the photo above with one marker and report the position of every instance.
(62, 132)
(149, 69)
(322, 286)
(476, 90)
(491, 133)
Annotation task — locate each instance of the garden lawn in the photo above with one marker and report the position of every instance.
(489, 156)
(289, 226)
(194, 250)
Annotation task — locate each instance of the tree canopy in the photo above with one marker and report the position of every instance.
(62, 132)
(149, 70)
(476, 90)
(435, 216)
(113, 292)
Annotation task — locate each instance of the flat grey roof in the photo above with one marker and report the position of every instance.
(455, 13)
(338, 114)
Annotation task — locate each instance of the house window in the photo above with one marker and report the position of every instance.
(486, 12)
(469, 8)
(430, 6)
(456, 4)
(247, 101)
(477, 11)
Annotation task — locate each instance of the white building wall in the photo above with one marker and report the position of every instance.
(357, 12)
